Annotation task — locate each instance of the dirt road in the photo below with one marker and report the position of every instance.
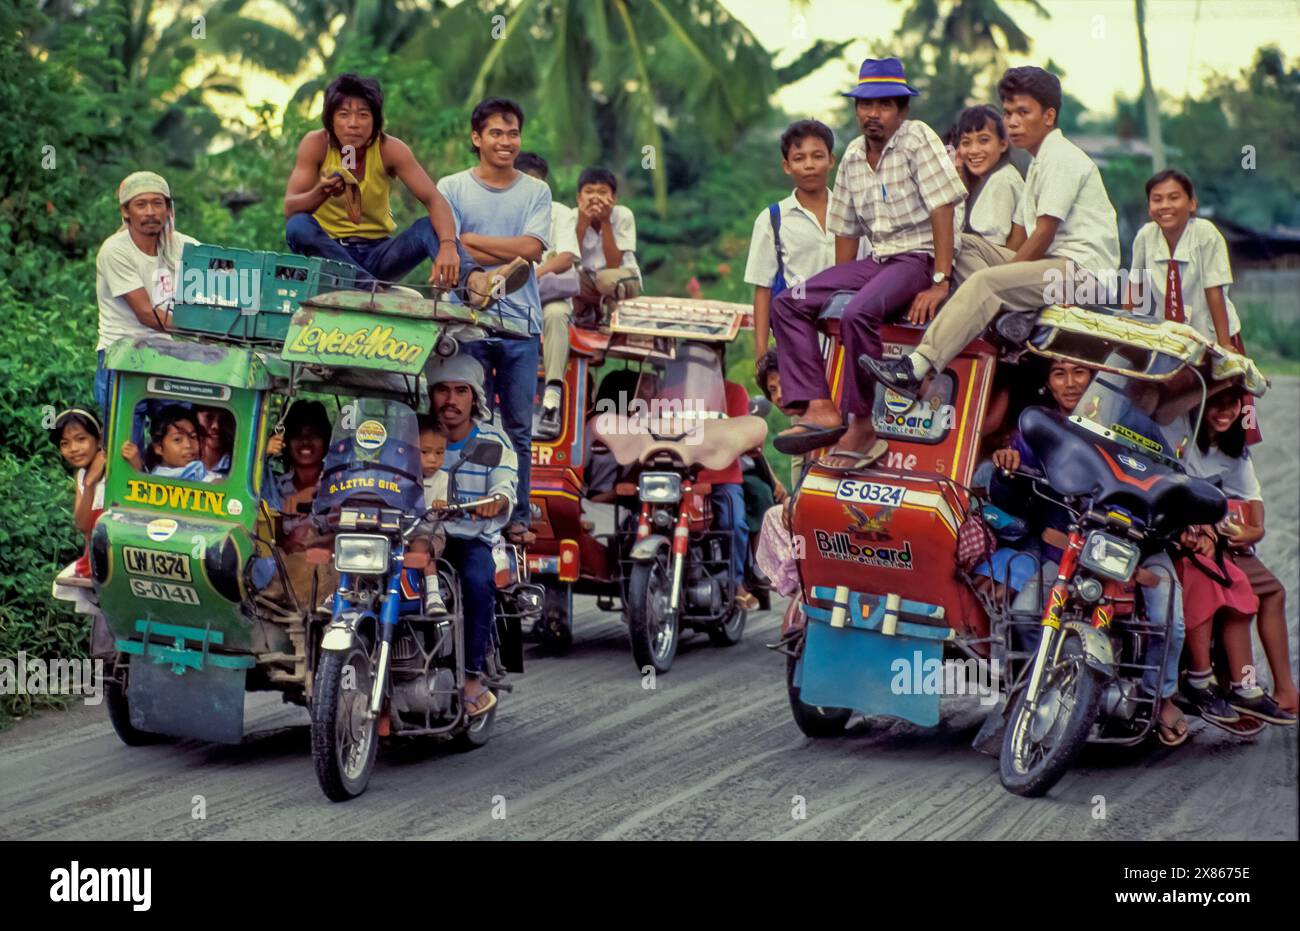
(582, 750)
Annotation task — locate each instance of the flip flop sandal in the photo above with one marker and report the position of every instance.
(803, 438)
(478, 706)
(1178, 737)
(1243, 727)
(857, 459)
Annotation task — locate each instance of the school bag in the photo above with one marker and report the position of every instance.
(778, 283)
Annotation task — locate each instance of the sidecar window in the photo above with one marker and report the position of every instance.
(183, 440)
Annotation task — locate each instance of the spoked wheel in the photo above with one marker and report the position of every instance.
(554, 630)
(344, 737)
(727, 632)
(119, 715)
(653, 628)
(1037, 748)
(813, 720)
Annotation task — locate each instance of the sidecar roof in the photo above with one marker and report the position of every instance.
(215, 363)
(1158, 349)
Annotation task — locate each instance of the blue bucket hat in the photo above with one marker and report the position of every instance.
(882, 77)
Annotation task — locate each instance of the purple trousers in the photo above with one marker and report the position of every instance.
(884, 291)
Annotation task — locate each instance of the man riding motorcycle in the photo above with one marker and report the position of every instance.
(457, 397)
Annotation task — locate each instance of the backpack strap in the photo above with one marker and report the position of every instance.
(774, 214)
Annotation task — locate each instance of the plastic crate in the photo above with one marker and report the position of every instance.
(249, 296)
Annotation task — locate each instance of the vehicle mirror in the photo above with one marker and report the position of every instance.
(760, 406)
(484, 453)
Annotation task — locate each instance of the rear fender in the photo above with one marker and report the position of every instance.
(1096, 647)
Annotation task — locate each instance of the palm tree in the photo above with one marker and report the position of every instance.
(609, 78)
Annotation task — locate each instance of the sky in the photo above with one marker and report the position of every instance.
(1093, 41)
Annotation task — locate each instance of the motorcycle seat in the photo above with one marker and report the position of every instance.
(713, 444)
(1116, 476)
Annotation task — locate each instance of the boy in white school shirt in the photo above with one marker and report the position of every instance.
(1184, 261)
(1066, 212)
(807, 246)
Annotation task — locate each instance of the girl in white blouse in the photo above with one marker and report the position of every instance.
(995, 185)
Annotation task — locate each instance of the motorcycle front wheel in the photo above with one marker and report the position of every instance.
(344, 736)
(1038, 748)
(652, 627)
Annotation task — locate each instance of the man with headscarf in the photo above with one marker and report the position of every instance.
(137, 268)
(457, 398)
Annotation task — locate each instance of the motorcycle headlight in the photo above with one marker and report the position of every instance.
(660, 487)
(361, 552)
(1108, 556)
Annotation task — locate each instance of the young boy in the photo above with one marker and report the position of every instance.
(557, 284)
(1069, 218)
(607, 236)
(433, 450)
(504, 217)
(798, 223)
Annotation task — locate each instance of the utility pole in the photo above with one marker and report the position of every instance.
(1154, 139)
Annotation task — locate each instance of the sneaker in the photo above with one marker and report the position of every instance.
(1209, 704)
(1262, 707)
(895, 374)
(434, 606)
(549, 424)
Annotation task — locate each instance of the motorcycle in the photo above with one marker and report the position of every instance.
(385, 668)
(889, 621)
(678, 570)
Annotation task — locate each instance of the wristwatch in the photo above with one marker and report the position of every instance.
(941, 278)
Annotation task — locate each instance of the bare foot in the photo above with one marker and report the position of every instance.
(1288, 700)
(821, 413)
(859, 437)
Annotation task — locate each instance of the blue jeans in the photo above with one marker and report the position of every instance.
(103, 385)
(473, 560)
(1156, 600)
(385, 259)
(729, 514)
(510, 374)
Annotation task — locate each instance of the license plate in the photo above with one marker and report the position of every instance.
(860, 492)
(162, 591)
(154, 563)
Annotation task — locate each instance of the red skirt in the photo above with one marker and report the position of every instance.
(1203, 597)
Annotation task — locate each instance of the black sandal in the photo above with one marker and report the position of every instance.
(803, 438)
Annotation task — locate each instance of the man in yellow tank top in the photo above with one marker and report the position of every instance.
(329, 216)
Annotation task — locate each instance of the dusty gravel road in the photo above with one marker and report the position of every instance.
(583, 751)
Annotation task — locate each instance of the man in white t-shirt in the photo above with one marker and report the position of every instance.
(1071, 228)
(136, 268)
(607, 238)
(557, 282)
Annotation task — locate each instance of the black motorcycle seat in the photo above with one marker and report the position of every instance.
(1116, 476)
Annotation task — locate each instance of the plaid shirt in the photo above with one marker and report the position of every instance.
(891, 204)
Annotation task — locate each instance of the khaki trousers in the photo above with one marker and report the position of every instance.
(555, 338)
(988, 283)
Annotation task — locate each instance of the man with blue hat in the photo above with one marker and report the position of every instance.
(896, 185)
